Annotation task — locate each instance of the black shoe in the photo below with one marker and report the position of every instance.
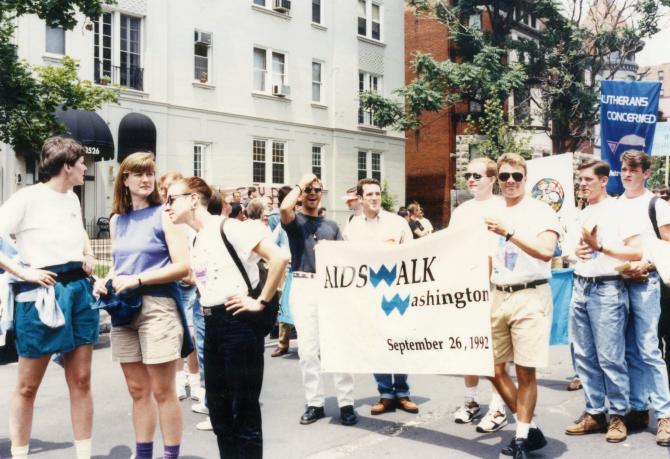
(534, 441)
(520, 447)
(313, 414)
(348, 415)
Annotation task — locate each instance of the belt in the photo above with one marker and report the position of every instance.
(594, 279)
(209, 310)
(303, 275)
(516, 287)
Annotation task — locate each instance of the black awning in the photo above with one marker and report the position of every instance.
(136, 133)
(90, 130)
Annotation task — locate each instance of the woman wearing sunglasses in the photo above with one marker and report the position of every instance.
(150, 255)
(234, 344)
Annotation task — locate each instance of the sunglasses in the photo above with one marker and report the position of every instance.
(171, 198)
(474, 175)
(516, 176)
(311, 189)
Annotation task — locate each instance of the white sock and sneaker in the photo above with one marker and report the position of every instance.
(470, 408)
(82, 450)
(495, 418)
(192, 381)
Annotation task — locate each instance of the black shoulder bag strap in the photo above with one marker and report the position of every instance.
(235, 257)
(652, 215)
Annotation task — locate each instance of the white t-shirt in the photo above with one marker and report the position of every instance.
(386, 227)
(427, 225)
(473, 212)
(47, 225)
(611, 231)
(216, 274)
(511, 265)
(635, 214)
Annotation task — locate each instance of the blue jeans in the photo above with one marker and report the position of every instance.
(199, 332)
(392, 386)
(598, 315)
(646, 368)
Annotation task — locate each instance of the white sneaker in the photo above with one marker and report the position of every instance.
(492, 421)
(204, 425)
(197, 393)
(200, 408)
(181, 392)
(466, 413)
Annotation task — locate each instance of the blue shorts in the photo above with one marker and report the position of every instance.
(34, 339)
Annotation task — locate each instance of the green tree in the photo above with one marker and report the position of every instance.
(388, 200)
(29, 95)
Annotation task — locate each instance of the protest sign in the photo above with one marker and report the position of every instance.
(420, 307)
(661, 140)
(628, 115)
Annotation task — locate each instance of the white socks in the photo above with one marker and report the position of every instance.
(20, 452)
(193, 380)
(522, 430)
(497, 403)
(83, 448)
(472, 393)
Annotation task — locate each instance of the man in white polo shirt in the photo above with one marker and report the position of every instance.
(521, 305)
(376, 224)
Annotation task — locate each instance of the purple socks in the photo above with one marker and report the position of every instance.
(144, 450)
(171, 452)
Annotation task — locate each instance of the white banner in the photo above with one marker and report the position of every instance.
(421, 307)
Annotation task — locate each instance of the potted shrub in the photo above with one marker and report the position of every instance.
(203, 77)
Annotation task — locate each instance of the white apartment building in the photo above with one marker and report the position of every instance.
(240, 92)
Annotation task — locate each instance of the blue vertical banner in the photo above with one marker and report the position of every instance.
(628, 113)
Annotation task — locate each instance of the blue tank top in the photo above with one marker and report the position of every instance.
(139, 242)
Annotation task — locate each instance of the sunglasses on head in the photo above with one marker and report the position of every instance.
(312, 189)
(516, 176)
(474, 175)
(172, 197)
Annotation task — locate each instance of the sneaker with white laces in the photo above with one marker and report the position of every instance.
(200, 408)
(204, 425)
(493, 420)
(467, 412)
(197, 393)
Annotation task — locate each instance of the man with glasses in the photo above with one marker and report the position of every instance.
(599, 308)
(521, 307)
(480, 178)
(646, 368)
(304, 230)
(377, 225)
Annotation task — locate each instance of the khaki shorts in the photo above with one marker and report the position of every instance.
(520, 326)
(154, 336)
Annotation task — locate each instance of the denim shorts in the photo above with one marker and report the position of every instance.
(34, 339)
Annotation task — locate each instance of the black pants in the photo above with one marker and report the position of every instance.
(664, 325)
(233, 352)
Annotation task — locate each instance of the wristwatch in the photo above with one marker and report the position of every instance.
(264, 303)
(509, 235)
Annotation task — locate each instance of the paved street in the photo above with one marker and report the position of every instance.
(431, 434)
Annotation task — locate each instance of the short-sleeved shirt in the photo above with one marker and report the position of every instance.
(511, 265)
(471, 214)
(385, 227)
(216, 275)
(47, 225)
(635, 214)
(415, 225)
(304, 232)
(611, 231)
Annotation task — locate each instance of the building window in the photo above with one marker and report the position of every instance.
(277, 72)
(263, 168)
(369, 165)
(316, 82)
(122, 65)
(660, 75)
(199, 153)
(55, 40)
(202, 50)
(277, 162)
(662, 92)
(368, 82)
(369, 19)
(259, 2)
(521, 106)
(316, 11)
(475, 21)
(316, 160)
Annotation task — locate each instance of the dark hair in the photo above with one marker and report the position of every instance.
(600, 168)
(250, 190)
(282, 193)
(366, 181)
(208, 197)
(57, 152)
(636, 158)
(404, 213)
(236, 210)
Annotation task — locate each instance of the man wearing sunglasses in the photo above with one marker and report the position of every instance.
(521, 305)
(304, 230)
(480, 178)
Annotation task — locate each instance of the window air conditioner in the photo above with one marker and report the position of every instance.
(204, 38)
(282, 6)
(281, 90)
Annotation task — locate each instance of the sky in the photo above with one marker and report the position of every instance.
(656, 49)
